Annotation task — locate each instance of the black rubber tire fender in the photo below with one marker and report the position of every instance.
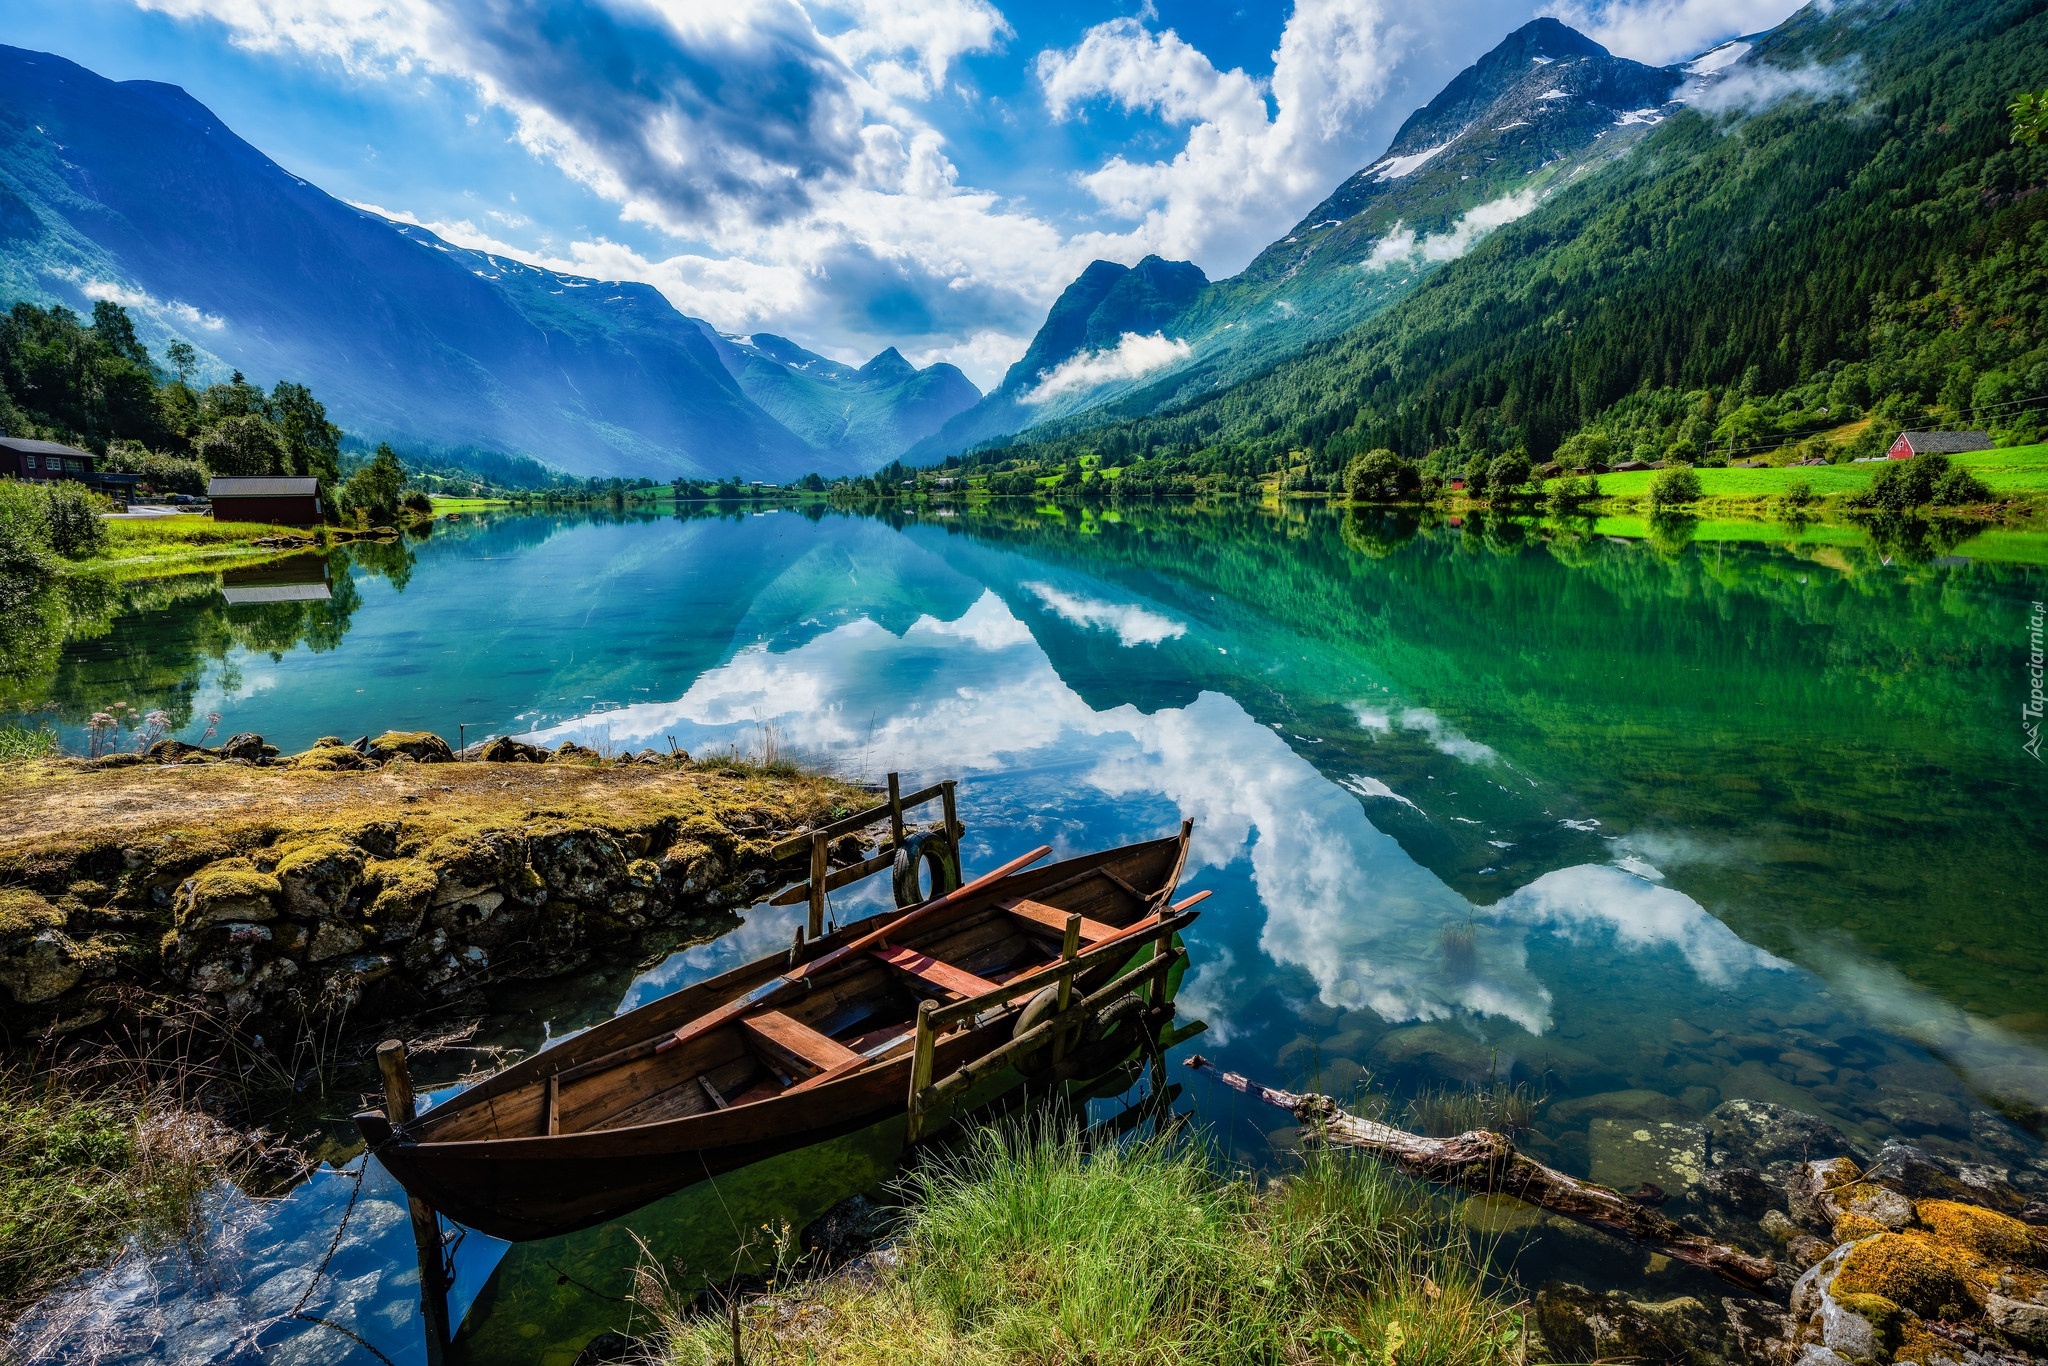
(932, 850)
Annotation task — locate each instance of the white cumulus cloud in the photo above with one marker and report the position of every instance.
(1246, 165)
(1402, 246)
(1664, 31)
(1131, 357)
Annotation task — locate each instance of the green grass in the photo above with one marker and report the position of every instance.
(152, 547)
(21, 743)
(84, 1166)
(2015, 471)
(445, 505)
(1026, 1247)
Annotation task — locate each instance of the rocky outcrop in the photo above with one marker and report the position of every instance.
(403, 892)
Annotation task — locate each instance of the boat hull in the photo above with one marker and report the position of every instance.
(544, 1185)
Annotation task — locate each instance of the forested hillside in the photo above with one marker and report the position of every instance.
(1857, 233)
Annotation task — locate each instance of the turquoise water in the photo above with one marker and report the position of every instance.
(1644, 827)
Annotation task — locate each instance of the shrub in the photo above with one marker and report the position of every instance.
(1507, 473)
(164, 473)
(1674, 487)
(62, 517)
(1380, 476)
(1906, 484)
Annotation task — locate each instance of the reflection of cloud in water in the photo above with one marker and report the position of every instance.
(1641, 915)
(1133, 625)
(1343, 902)
(1447, 740)
(1992, 1059)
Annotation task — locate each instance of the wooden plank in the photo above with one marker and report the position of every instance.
(928, 969)
(1175, 919)
(797, 844)
(812, 1051)
(765, 994)
(710, 1091)
(835, 879)
(551, 1107)
(1054, 919)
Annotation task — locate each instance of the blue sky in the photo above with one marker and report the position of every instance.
(849, 173)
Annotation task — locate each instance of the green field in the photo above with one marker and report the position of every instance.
(2017, 470)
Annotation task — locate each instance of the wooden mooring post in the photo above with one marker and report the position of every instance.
(920, 1071)
(426, 1224)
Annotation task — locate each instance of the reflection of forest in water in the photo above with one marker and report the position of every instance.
(91, 641)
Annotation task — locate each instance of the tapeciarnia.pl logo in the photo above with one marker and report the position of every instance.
(2030, 711)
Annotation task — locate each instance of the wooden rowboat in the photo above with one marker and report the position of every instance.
(1051, 973)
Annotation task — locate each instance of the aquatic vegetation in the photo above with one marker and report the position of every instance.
(1505, 1108)
(1025, 1245)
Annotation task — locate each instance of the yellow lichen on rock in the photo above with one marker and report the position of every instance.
(1928, 1276)
(1992, 1236)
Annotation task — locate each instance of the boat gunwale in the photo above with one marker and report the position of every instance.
(617, 1034)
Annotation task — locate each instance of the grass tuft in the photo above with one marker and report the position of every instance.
(19, 744)
(1026, 1246)
(85, 1164)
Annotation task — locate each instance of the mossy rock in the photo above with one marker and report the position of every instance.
(318, 876)
(1930, 1277)
(1993, 1236)
(404, 888)
(232, 889)
(469, 860)
(24, 915)
(421, 746)
(326, 758)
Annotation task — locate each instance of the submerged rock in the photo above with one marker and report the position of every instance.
(1759, 1134)
(1577, 1324)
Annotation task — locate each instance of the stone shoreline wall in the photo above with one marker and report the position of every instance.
(392, 904)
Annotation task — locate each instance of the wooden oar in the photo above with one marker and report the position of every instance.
(763, 995)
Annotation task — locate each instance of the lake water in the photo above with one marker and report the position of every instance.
(1644, 825)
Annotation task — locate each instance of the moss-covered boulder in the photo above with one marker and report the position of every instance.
(421, 746)
(505, 750)
(1930, 1277)
(1990, 1235)
(232, 889)
(319, 876)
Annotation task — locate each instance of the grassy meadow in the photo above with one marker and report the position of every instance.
(1025, 1246)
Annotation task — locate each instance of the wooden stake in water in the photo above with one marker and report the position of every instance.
(426, 1225)
(920, 1070)
(818, 871)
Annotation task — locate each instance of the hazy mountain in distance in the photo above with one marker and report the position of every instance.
(135, 191)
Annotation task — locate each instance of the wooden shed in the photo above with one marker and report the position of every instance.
(287, 500)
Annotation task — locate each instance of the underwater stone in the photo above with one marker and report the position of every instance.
(1756, 1133)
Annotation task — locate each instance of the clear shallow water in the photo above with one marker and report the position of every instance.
(1714, 821)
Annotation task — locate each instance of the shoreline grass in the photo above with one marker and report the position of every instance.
(1024, 1246)
(87, 1163)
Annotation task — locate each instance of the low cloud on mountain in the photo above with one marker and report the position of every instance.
(796, 165)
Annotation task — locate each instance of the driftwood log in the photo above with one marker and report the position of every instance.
(1487, 1163)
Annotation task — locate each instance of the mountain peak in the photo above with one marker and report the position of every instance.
(889, 366)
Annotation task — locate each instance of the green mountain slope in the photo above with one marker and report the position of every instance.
(1543, 109)
(1846, 229)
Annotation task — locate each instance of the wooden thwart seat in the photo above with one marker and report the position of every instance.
(800, 1048)
(1052, 918)
(930, 970)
